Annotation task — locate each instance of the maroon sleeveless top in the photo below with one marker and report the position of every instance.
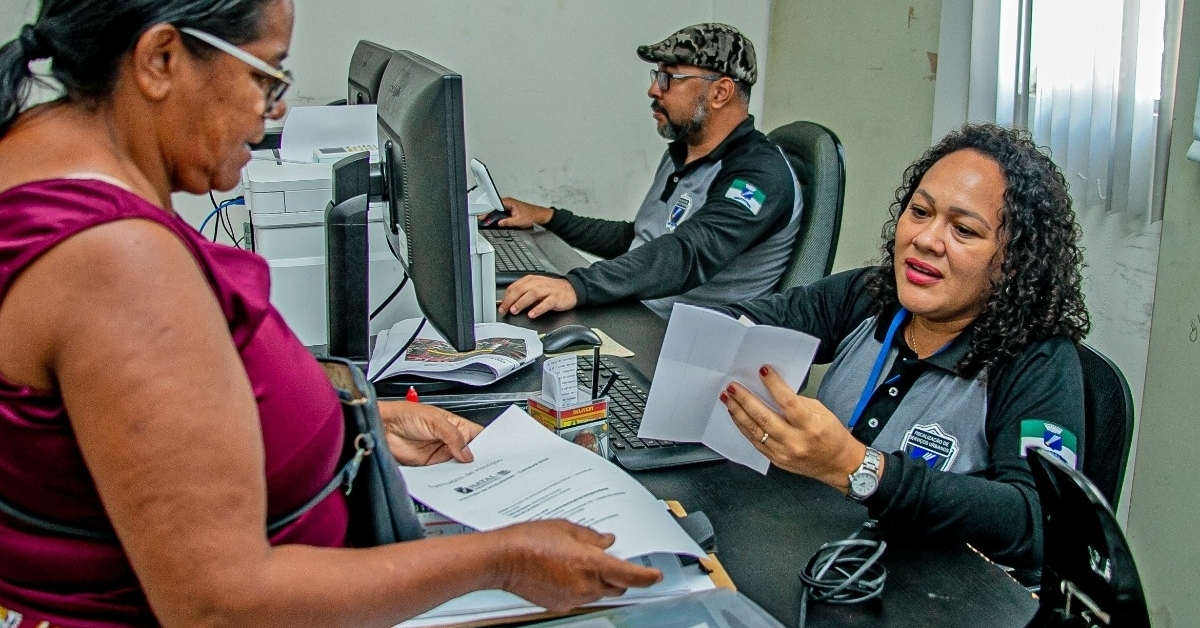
(68, 582)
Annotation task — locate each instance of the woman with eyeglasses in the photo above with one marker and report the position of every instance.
(148, 387)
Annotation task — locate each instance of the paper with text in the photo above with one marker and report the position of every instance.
(524, 472)
(703, 352)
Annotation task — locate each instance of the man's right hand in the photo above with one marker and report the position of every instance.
(560, 565)
(523, 215)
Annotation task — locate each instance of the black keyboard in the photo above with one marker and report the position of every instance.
(626, 402)
(515, 257)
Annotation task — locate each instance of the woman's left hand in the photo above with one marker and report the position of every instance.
(420, 434)
(806, 439)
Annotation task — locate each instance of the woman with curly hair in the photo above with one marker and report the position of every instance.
(954, 354)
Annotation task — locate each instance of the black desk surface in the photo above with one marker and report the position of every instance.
(768, 526)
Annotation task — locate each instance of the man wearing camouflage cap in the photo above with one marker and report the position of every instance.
(720, 219)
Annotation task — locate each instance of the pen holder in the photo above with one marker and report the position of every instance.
(585, 424)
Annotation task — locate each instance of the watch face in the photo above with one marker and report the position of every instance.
(863, 484)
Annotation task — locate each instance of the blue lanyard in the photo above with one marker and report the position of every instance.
(878, 368)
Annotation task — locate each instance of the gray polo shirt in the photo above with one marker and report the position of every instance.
(955, 442)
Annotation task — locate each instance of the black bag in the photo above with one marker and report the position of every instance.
(381, 511)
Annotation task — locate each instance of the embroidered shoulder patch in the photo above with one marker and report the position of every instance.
(932, 445)
(747, 194)
(1051, 437)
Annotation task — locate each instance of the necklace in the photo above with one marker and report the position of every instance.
(912, 338)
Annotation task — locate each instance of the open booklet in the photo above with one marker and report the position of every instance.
(703, 351)
(524, 472)
(500, 349)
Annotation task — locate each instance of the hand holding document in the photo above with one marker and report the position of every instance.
(524, 472)
(702, 352)
(500, 349)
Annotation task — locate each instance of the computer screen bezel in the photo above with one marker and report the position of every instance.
(365, 75)
(423, 153)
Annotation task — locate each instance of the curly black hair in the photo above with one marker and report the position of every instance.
(1038, 294)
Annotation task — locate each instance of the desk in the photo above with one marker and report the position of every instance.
(768, 526)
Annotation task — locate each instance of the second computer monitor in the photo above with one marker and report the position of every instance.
(366, 73)
(422, 146)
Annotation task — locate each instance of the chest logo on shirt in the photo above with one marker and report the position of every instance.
(1051, 437)
(747, 194)
(679, 211)
(931, 445)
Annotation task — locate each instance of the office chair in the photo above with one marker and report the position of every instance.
(1088, 575)
(816, 155)
(1108, 422)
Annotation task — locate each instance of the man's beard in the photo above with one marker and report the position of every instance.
(684, 130)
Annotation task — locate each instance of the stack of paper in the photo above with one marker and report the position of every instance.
(523, 472)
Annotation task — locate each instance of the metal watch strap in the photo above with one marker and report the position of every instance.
(872, 461)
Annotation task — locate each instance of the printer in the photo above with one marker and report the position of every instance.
(287, 203)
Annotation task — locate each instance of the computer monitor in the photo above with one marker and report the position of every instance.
(366, 73)
(423, 154)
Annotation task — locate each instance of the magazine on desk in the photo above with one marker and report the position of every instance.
(500, 349)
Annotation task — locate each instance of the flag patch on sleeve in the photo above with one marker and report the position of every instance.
(747, 194)
(1051, 437)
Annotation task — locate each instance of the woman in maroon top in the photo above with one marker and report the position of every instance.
(146, 383)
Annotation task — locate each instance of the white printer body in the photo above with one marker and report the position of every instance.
(287, 203)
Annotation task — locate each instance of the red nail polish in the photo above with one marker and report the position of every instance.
(730, 389)
(763, 371)
(723, 397)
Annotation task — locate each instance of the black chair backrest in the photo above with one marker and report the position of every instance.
(1108, 422)
(1088, 574)
(816, 156)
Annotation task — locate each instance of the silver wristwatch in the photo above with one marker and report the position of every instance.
(865, 479)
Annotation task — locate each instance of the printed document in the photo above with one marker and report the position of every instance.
(524, 472)
(703, 352)
(500, 349)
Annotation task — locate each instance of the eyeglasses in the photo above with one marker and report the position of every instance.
(662, 78)
(280, 80)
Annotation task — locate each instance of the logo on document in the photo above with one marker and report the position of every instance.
(679, 211)
(746, 194)
(1051, 437)
(931, 445)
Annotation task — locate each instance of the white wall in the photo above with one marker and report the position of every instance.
(554, 95)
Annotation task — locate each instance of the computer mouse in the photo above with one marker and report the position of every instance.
(569, 338)
(492, 219)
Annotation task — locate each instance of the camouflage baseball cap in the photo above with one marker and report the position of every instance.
(718, 47)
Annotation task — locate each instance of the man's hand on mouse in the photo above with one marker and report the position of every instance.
(523, 215)
(539, 295)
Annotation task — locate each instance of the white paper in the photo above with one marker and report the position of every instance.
(703, 351)
(493, 604)
(524, 472)
(309, 128)
(500, 349)
(560, 384)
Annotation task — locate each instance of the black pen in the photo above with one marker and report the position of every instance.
(595, 370)
(612, 379)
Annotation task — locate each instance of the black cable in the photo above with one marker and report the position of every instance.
(227, 223)
(390, 297)
(250, 217)
(843, 572)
